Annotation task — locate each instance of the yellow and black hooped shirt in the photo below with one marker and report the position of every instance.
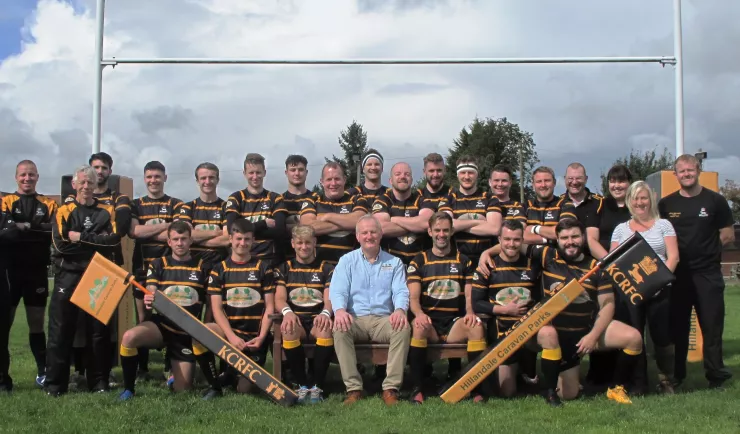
(470, 207)
(368, 195)
(205, 216)
(305, 285)
(331, 247)
(435, 198)
(183, 282)
(409, 245)
(293, 204)
(443, 281)
(150, 211)
(242, 287)
(511, 210)
(580, 315)
(549, 213)
(507, 281)
(257, 208)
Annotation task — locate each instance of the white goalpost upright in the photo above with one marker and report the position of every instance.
(676, 60)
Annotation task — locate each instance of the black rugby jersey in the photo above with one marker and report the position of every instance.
(150, 211)
(183, 282)
(507, 280)
(205, 216)
(581, 313)
(32, 245)
(305, 285)
(549, 213)
(293, 204)
(96, 224)
(443, 281)
(435, 198)
(587, 210)
(510, 210)
(257, 208)
(122, 206)
(470, 207)
(410, 245)
(331, 247)
(242, 287)
(367, 194)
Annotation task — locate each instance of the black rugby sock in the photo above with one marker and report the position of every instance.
(37, 341)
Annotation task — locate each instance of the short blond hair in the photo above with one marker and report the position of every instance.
(687, 158)
(303, 232)
(635, 188)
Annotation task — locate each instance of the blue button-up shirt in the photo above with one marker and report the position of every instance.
(364, 288)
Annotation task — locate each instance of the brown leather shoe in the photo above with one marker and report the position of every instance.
(390, 397)
(353, 397)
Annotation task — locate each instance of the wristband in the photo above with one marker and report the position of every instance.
(326, 312)
(536, 229)
(286, 310)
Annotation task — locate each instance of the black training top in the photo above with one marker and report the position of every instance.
(606, 220)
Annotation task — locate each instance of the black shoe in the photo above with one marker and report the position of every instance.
(100, 387)
(212, 393)
(717, 384)
(417, 396)
(552, 398)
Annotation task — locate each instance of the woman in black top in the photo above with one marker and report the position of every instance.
(612, 212)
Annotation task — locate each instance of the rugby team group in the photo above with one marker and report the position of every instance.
(394, 265)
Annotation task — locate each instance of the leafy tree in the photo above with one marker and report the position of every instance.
(353, 141)
(420, 183)
(731, 192)
(641, 164)
(491, 142)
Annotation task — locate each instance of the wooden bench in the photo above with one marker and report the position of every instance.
(369, 352)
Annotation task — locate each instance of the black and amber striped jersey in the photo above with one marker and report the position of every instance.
(437, 197)
(257, 208)
(506, 281)
(293, 204)
(96, 224)
(32, 245)
(331, 247)
(549, 213)
(581, 313)
(148, 211)
(183, 282)
(511, 210)
(367, 194)
(242, 287)
(122, 205)
(305, 285)
(470, 207)
(411, 244)
(443, 280)
(205, 216)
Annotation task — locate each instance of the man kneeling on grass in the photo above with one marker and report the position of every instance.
(181, 278)
(302, 295)
(241, 291)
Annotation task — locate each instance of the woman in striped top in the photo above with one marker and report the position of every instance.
(660, 235)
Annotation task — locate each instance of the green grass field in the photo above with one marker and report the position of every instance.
(155, 410)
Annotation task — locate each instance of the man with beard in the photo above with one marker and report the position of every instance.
(440, 281)
(333, 214)
(302, 296)
(584, 326)
(546, 210)
(151, 215)
(586, 204)
(82, 228)
(403, 214)
(296, 172)
(180, 277)
(207, 216)
(434, 171)
(27, 266)
(262, 207)
(372, 186)
(704, 224)
(500, 185)
(507, 293)
(477, 222)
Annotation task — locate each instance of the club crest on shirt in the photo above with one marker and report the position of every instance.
(40, 212)
(193, 276)
(87, 223)
(344, 210)
(163, 210)
(479, 204)
(315, 278)
(377, 207)
(703, 213)
(410, 269)
(549, 216)
(453, 268)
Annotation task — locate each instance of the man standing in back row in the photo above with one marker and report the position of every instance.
(703, 223)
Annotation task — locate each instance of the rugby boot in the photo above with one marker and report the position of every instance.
(618, 394)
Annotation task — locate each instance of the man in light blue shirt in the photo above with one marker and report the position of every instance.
(370, 299)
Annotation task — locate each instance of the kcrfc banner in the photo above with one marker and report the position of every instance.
(101, 288)
(638, 272)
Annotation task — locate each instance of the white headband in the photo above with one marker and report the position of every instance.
(467, 166)
(372, 155)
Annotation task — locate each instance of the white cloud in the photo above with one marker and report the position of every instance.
(183, 115)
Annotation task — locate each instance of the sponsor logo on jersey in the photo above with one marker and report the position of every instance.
(411, 269)
(507, 295)
(443, 289)
(242, 297)
(182, 295)
(306, 297)
(377, 206)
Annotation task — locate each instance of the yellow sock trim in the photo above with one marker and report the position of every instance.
(199, 349)
(631, 352)
(552, 354)
(479, 345)
(129, 352)
(289, 345)
(418, 343)
(325, 342)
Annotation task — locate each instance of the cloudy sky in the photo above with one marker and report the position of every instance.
(183, 115)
